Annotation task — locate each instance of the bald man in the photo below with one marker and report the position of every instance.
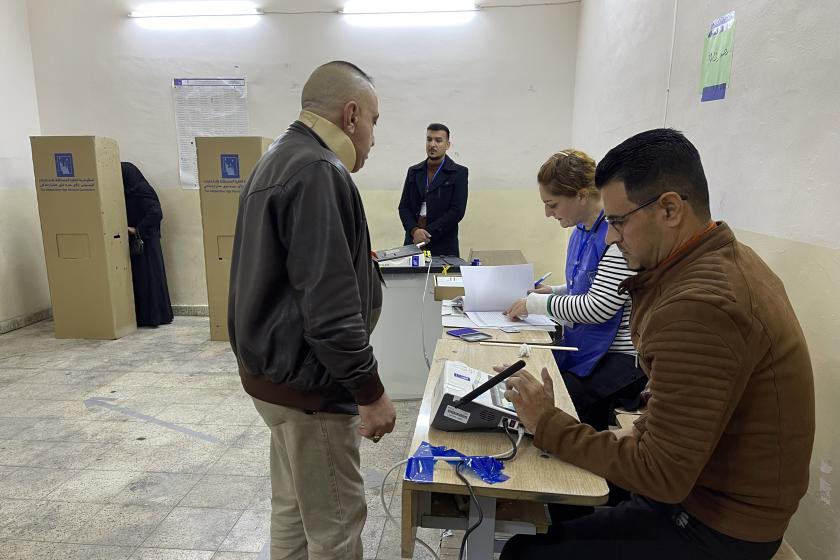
(302, 291)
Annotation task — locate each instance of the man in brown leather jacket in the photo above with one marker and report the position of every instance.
(300, 315)
(719, 461)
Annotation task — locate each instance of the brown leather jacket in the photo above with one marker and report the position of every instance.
(302, 281)
(729, 427)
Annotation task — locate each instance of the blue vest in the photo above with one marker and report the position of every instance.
(584, 253)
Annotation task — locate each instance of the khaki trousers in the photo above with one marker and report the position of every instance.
(318, 505)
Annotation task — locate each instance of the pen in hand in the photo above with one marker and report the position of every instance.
(541, 280)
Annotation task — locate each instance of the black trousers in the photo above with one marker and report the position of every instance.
(638, 528)
(615, 381)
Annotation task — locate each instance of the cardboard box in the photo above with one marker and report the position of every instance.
(82, 207)
(224, 165)
(448, 287)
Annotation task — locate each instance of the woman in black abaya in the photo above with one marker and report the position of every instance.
(151, 294)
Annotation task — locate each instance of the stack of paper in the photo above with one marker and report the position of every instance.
(495, 288)
(496, 319)
(489, 292)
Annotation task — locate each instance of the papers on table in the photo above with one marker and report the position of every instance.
(488, 292)
(495, 288)
(496, 319)
(453, 317)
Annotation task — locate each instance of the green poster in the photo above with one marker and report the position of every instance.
(717, 58)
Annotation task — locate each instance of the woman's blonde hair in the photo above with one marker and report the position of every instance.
(569, 173)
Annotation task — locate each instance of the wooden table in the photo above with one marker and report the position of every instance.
(534, 477)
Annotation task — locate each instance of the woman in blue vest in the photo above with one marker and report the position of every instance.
(603, 373)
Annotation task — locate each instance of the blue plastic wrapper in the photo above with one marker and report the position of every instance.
(421, 465)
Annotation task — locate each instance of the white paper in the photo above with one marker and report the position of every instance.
(449, 281)
(495, 319)
(453, 317)
(495, 288)
(206, 107)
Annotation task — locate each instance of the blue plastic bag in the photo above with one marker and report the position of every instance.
(421, 465)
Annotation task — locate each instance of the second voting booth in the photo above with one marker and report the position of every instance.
(224, 165)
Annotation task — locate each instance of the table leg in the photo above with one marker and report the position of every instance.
(481, 542)
(415, 504)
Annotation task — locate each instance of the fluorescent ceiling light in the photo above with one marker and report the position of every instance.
(407, 6)
(195, 9)
(408, 13)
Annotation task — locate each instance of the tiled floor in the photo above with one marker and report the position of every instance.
(147, 448)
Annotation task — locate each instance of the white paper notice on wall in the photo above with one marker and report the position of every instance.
(206, 107)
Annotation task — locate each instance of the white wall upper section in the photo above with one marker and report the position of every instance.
(18, 105)
(770, 148)
(502, 82)
(23, 275)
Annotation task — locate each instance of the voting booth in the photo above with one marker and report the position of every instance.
(83, 222)
(224, 165)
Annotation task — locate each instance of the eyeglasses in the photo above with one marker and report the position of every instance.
(618, 222)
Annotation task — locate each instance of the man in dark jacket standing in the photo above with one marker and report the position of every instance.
(301, 287)
(434, 197)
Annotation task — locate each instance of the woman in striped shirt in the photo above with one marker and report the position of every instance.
(603, 374)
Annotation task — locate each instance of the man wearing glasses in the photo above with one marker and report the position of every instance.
(719, 461)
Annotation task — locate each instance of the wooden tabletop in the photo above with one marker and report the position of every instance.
(533, 476)
(528, 337)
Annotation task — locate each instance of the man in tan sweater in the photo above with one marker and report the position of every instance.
(719, 461)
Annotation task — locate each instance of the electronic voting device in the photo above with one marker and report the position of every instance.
(470, 399)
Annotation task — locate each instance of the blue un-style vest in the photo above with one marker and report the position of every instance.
(586, 247)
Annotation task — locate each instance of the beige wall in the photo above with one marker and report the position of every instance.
(503, 82)
(811, 275)
(23, 276)
(770, 153)
(504, 219)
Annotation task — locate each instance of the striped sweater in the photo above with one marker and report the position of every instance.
(598, 305)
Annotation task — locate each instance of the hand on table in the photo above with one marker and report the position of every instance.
(517, 310)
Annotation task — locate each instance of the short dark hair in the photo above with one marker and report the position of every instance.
(438, 126)
(657, 161)
(352, 67)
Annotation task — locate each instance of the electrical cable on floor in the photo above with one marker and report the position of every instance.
(390, 517)
(509, 456)
(500, 456)
(477, 505)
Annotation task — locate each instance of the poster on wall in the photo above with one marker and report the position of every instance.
(717, 58)
(206, 107)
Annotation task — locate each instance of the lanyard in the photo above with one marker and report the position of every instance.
(429, 183)
(588, 237)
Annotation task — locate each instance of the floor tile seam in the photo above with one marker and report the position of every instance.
(175, 548)
(222, 542)
(165, 517)
(132, 547)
